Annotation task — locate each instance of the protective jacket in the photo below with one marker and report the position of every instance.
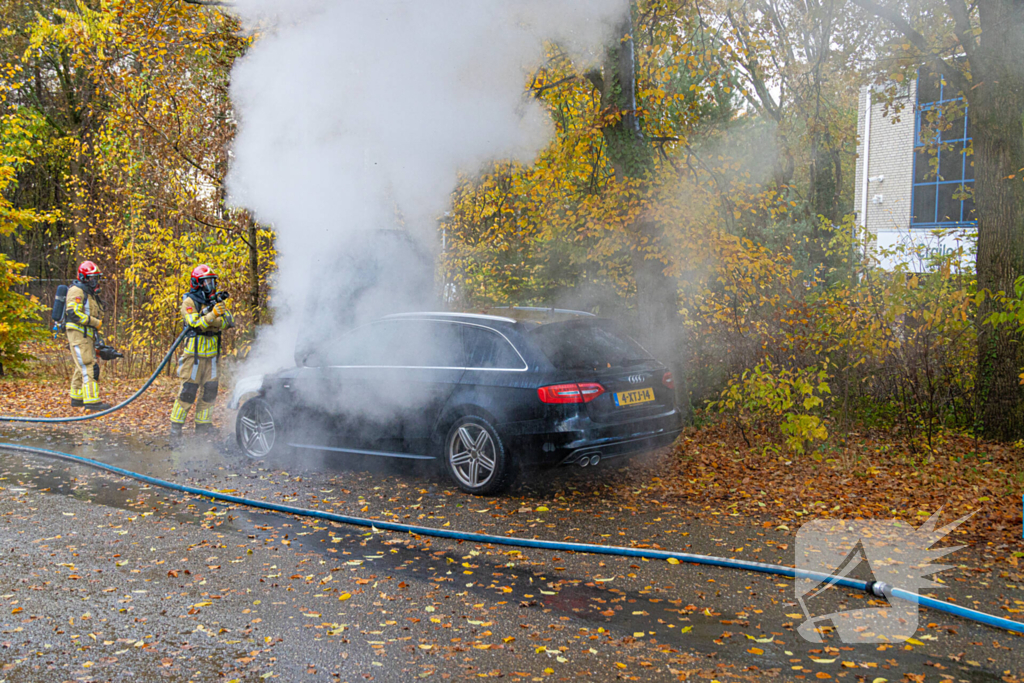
(83, 310)
(81, 318)
(197, 367)
(204, 330)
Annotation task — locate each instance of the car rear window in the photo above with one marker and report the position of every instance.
(587, 345)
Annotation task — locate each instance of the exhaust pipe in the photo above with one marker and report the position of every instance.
(589, 459)
(594, 459)
(584, 461)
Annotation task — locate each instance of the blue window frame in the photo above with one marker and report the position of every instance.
(943, 170)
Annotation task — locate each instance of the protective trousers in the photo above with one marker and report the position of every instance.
(84, 380)
(199, 381)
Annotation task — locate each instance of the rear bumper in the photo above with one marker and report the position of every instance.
(613, 448)
(543, 444)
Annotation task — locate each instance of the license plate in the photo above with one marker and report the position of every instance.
(632, 398)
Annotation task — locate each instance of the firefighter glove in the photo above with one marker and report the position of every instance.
(220, 309)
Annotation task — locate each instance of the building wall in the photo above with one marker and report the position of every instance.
(892, 156)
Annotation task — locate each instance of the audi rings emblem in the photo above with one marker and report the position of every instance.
(636, 379)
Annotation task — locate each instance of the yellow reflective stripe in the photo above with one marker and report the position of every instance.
(76, 393)
(192, 318)
(91, 392)
(207, 346)
(87, 331)
(81, 312)
(178, 412)
(203, 416)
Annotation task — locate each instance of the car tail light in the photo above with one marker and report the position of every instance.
(584, 392)
(668, 381)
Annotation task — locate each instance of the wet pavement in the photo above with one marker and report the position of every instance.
(105, 578)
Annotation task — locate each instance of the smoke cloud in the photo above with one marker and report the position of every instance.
(355, 118)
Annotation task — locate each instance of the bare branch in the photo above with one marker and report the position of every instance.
(209, 3)
(950, 72)
(962, 28)
(539, 90)
(767, 102)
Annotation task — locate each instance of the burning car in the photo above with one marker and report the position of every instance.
(485, 396)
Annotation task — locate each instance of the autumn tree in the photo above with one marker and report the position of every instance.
(131, 130)
(977, 48)
(799, 64)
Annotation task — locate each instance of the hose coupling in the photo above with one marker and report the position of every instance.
(879, 589)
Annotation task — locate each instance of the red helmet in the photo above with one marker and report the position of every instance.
(87, 269)
(89, 275)
(204, 278)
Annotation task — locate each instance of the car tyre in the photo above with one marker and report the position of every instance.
(257, 430)
(475, 457)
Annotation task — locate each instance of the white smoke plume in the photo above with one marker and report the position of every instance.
(356, 116)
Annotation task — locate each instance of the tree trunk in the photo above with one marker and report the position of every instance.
(995, 96)
(79, 193)
(254, 271)
(997, 115)
(632, 158)
(659, 325)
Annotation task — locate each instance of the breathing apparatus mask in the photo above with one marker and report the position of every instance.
(91, 282)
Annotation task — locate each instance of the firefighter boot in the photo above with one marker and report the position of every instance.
(205, 429)
(99, 405)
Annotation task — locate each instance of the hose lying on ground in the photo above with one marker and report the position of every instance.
(875, 588)
(108, 411)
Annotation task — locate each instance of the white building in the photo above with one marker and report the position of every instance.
(913, 174)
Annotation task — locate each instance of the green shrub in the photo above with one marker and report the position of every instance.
(787, 402)
(19, 317)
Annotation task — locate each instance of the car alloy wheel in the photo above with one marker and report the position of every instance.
(472, 454)
(257, 433)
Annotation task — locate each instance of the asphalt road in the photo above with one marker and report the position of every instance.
(105, 579)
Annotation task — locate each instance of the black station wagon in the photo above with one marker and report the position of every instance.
(486, 395)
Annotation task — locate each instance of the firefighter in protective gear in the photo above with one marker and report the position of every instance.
(205, 318)
(83, 318)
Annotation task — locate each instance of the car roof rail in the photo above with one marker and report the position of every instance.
(449, 314)
(541, 309)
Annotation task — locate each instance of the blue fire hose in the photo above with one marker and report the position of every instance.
(875, 588)
(108, 411)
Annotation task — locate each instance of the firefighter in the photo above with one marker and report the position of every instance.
(205, 318)
(83, 319)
